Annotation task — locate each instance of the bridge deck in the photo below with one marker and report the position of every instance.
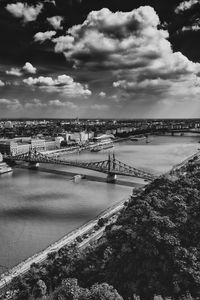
(109, 166)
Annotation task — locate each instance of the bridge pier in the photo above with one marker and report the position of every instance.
(111, 178)
(33, 165)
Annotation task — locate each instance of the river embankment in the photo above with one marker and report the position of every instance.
(85, 234)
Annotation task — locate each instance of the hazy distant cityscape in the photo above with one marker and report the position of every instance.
(18, 136)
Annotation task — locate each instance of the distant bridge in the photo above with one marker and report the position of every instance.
(111, 166)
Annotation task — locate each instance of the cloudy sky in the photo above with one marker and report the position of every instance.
(100, 58)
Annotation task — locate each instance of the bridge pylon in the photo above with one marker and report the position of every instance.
(111, 177)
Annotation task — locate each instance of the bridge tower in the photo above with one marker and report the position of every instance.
(111, 177)
(33, 164)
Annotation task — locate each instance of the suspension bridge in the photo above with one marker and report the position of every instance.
(111, 166)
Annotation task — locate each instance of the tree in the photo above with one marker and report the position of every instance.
(104, 292)
(154, 243)
(40, 289)
(23, 290)
(70, 290)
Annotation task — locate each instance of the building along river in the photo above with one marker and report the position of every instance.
(38, 208)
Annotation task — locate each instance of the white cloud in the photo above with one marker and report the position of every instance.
(56, 22)
(63, 43)
(109, 40)
(137, 53)
(122, 40)
(194, 27)
(35, 103)
(50, 1)
(24, 11)
(29, 68)
(14, 72)
(10, 104)
(4, 101)
(57, 103)
(99, 106)
(15, 104)
(43, 36)
(145, 84)
(1, 83)
(186, 5)
(102, 94)
(63, 83)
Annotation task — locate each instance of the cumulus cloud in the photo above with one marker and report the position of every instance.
(35, 103)
(186, 5)
(102, 94)
(57, 103)
(24, 11)
(112, 40)
(1, 83)
(13, 104)
(28, 68)
(63, 83)
(14, 72)
(194, 27)
(55, 22)
(43, 36)
(99, 106)
(64, 44)
(121, 40)
(145, 84)
(134, 49)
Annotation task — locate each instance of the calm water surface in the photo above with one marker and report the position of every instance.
(36, 208)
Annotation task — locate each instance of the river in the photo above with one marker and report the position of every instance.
(38, 208)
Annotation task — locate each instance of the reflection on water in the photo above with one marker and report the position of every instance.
(38, 208)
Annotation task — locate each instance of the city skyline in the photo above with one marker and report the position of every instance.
(99, 59)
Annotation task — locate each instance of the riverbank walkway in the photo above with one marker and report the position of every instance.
(23, 267)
